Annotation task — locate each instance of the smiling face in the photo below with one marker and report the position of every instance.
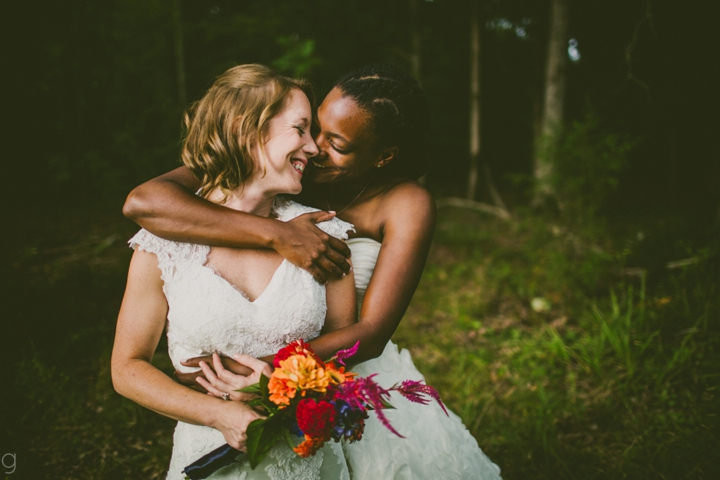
(348, 146)
(282, 158)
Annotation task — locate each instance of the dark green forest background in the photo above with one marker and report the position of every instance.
(93, 95)
(91, 88)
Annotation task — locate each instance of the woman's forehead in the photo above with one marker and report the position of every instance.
(338, 112)
(297, 107)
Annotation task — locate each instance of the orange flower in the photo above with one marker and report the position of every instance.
(338, 375)
(309, 446)
(298, 347)
(296, 373)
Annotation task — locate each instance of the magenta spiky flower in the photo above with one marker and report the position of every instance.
(347, 353)
(377, 397)
(415, 391)
(365, 393)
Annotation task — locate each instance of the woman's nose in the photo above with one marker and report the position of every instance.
(320, 142)
(310, 148)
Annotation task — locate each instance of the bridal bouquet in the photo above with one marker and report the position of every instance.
(309, 402)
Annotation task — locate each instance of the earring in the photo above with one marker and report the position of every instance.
(378, 165)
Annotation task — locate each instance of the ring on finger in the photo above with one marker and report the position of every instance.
(225, 396)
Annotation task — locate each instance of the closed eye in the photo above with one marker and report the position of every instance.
(334, 147)
(300, 130)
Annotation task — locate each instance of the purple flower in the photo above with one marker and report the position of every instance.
(350, 422)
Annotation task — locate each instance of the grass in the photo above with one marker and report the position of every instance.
(606, 377)
(559, 365)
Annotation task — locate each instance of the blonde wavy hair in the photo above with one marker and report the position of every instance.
(224, 125)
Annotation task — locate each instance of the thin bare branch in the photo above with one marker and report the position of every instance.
(633, 43)
(476, 206)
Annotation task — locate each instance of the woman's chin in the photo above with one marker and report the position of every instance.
(293, 189)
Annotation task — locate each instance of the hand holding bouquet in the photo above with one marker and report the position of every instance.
(314, 400)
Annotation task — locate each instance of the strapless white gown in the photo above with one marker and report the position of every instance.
(436, 446)
(207, 314)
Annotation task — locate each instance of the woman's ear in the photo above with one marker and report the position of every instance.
(386, 156)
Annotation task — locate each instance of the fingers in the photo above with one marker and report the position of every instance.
(321, 216)
(195, 361)
(338, 260)
(211, 379)
(211, 390)
(235, 367)
(240, 445)
(330, 267)
(316, 272)
(220, 391)
(258, 366)
(219, 368)
(235, 382)
(227, 362)
(242, 416)
(231, 364)
(189, 380)
(224, 381)
(339, 246)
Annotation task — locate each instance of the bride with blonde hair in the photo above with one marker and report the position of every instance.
(248, 140)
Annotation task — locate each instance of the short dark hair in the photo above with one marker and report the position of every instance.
(399, 114)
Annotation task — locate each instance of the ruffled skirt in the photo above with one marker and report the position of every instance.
(436, 446)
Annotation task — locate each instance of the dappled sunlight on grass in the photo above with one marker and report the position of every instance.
(610, 377)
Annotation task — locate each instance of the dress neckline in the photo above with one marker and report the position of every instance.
(239, 291)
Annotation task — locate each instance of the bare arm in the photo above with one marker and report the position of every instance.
(408, 231)
(168, 207)
(407, 235)
(140, 325)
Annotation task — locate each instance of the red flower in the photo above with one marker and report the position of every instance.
(315, 418)
(298, 347)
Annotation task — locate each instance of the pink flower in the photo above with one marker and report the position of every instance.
(414, 391)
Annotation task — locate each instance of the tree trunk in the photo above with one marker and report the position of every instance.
(179, 53)
(554, 97)
(416, 52)
(416, 49)
(474, 100)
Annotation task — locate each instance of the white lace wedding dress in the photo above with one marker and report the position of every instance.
(435, 446)
(207, 314)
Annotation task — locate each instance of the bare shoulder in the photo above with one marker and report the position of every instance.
(409, 197)
(407, 204)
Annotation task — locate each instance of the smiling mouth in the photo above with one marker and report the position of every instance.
(298, 165)
(321, 167)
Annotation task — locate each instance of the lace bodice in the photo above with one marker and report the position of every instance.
(207, 314)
